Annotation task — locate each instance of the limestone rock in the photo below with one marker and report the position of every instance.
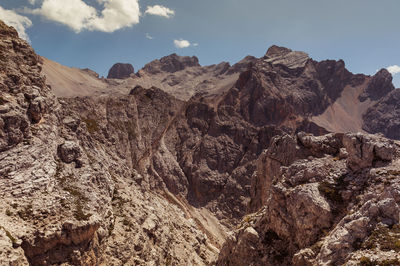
(324, 210)
(363, 151)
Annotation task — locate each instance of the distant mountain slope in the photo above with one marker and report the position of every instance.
(304, 94)
(71, 82)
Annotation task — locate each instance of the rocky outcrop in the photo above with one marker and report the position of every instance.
(284, 87)
(69, 152)
(380, 85)
(283, 56)
(384, 116)
(22, 89)
(120, 71)
(315, 207)
(171, 64)
(55, 211)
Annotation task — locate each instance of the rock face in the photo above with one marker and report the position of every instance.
(120, 71)
(171, 64)
(383, 117)
(380, 85)
(23, 91)
(283, 56)
(69, 198)
(322, 203)
(155, 169)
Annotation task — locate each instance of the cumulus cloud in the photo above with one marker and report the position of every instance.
(78, 15)
(20, 23)
(181, 43)
(116, 15)
(32, 2)
(158, 10)
(395, 69)
(148, 36)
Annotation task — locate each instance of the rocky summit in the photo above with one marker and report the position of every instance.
(278, 160)
(120, 71)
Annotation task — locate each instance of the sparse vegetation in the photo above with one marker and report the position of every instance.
(394, 172)
(2, 101)
(365, 261)
(8, 212)
(79, 198)
(392, 262)
(13, 240)
(131, 129)
(59, 169)
(316, 247)
(78, 213)
(26, 212)
(330, 191)
(91, 125)
(127, 222)
(63, 203)
(384, 238)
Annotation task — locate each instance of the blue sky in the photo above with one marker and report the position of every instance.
(364, 33)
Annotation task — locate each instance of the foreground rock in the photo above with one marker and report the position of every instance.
(328, 200)
(67, 198)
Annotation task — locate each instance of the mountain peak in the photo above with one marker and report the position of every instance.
(171, 63)
(380, 85)
(6, 30)
(278, 55)
(120, 71)
(276, 50)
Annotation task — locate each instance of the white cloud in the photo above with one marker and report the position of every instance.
(195, 44)
(32, 2)
(148, 36)
(158, 10)
(20, 23)
(78, 15)
(117, 14)
(181, 43)
(395, 69)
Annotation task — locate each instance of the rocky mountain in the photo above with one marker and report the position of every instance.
(328, 200)
(120, 71)
(188, 164)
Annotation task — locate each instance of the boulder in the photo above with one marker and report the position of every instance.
(69, 152)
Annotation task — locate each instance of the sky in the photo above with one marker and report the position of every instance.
(96, 34)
